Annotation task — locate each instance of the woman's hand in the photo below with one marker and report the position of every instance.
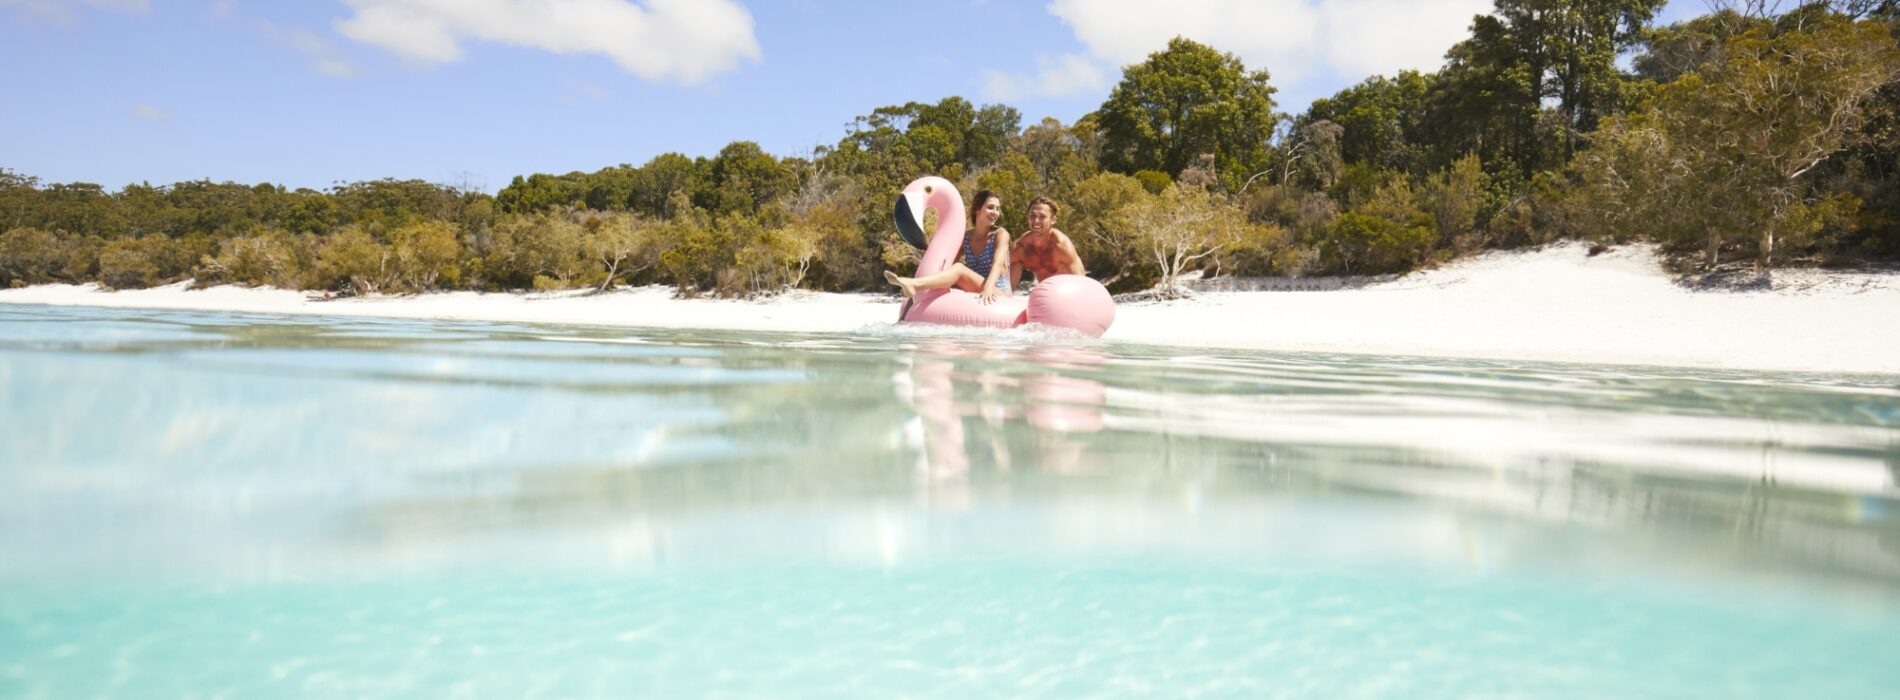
(989, 294)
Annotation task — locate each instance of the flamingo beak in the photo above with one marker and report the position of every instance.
(910, 218)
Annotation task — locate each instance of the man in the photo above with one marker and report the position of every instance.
(1044, 250)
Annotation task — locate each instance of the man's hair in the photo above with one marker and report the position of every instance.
(1044, 201)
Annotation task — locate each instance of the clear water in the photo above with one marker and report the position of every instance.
(203, 504)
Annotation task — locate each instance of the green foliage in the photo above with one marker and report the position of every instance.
(1154, 181)
(1677, 50)
(844, 257)
(1524, 55)
(1381, 123)
(1092, 220)
(32, 256)
(1457, 202)
(129, 263)
(353, 260)
(1310, 157)
(744, 178)
(273, 258)
(1548, 208)
(702, 248)
(1771, 135)
(666, 175)
(425, 254)
(1725, 153)
(1175, 231)
(1061, 156)
(546, 246)
(624, 245)
(386, 204)
(1264, 249)
(538, 192)
(1367, 244)
(1185, 101)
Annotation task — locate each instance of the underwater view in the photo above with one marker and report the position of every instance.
(206, 504)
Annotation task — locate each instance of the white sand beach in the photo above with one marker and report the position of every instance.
(1554, 304)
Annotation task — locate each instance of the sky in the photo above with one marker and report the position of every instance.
(316, 93)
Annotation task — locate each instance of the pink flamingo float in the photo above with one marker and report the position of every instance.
(1062, 301)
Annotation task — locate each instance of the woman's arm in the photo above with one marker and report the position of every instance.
(999, 266)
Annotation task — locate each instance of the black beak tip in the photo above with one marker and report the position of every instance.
(907, 224)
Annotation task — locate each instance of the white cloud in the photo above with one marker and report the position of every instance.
(322, 55)
(685, 41)
(1366, 37)
(1279, 35)
(149, 113)
(1294, 40)
(1061, 76)
(336, 68)
(65, 11)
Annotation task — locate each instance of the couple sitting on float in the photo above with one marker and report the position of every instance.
(966, 277)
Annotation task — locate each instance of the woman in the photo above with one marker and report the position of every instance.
(985, 254)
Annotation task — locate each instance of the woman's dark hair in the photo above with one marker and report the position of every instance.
(982, 197)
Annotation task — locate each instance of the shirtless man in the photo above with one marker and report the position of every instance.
(1044, 250)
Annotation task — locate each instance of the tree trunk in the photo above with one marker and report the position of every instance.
(612, 270)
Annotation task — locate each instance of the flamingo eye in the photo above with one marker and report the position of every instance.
(927, 189)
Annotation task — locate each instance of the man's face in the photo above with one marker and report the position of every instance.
(1040, 218)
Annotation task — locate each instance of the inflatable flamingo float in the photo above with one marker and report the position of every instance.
(1062, 301)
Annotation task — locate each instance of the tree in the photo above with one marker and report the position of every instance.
(425, 253)
(655, 183)
(744, 178)
(353, 260)
(1380, 121)
(1310, 157)
(1529, 53)
(1185, 101)
(1367, 244)
(624, 244)
(31, 256)
(1178, 229)
(1092, 219)
(1670, 52)
(1061, 156)
(1724, 152)
(272, 258)
(534, 251)
(1455, 198)
(537, 192)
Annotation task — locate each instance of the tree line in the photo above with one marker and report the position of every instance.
(1754, 134)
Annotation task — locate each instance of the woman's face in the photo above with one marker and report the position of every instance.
(1040, 218)
(990, 212)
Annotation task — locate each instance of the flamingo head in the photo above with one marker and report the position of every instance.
(921, 194)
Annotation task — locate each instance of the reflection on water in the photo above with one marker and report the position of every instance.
(156, 451)
(263, 433)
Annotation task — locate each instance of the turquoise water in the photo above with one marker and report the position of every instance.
(204, 504)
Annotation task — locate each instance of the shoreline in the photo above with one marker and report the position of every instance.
(1555, 304)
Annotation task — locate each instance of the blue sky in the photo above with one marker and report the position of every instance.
(472, 92)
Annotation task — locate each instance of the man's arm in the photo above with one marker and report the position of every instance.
(1068, 248)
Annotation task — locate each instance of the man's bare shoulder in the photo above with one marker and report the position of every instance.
(1062, 239)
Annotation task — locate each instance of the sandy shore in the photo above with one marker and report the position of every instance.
(1555, 304)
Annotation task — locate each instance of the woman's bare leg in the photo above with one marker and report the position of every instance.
(954, 276)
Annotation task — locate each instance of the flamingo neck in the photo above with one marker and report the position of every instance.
(946, 243)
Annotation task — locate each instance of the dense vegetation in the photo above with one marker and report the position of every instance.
(1742, 135)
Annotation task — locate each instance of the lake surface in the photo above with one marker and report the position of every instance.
(202, 504)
